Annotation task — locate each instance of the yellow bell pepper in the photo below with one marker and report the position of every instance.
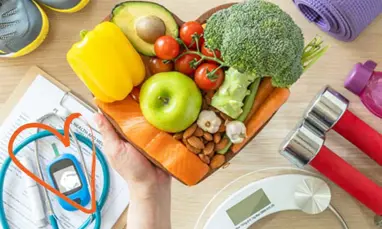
(107, 63)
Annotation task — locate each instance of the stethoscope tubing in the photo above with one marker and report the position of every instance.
(49, 206)
(53, 221)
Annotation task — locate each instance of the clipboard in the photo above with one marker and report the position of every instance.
(24, 84)
(19, 91)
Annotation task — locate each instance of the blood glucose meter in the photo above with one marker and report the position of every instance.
(66, 175)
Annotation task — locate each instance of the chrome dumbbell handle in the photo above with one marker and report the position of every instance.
(326, 109)
(329, 111)
(302, 144)
(305, 145)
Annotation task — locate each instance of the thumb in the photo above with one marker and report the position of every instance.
(120, 154)
(108, 133)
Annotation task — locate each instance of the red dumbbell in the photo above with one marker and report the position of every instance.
(305, 146)
(329, 110)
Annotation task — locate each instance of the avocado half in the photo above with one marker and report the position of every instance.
(129, 15)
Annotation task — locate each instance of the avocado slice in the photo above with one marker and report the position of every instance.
(143, 22)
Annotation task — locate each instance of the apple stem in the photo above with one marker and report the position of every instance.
(163, 99)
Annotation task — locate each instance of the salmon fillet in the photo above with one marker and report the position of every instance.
(177, 159)
(160, 147)
(127, 114)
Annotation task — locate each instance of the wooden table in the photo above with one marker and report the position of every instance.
(263, 151)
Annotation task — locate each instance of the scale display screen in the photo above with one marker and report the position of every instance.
(248, 207)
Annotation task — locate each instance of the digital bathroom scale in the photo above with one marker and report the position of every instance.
(281, 198)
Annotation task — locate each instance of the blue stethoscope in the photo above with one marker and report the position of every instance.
(51, 216)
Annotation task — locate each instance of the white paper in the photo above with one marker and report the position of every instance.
(43, 97)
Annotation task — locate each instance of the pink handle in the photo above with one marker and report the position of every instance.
(361, 135)
(349, 179)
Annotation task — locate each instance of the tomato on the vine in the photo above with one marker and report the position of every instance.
(135, 93)
(183, 63)
(157, 65)
(208, 52)
(166, 47)
(205, 79)
(201, 41)
(187, 30)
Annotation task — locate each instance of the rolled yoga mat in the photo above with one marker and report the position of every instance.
(343, 19)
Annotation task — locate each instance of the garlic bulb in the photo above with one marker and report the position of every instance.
(209, 121)
(236, 131)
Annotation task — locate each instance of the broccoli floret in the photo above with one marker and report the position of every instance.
(213, 32)
(288, 75)
(259, 38)
(229, 98)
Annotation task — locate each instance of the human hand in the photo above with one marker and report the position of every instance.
(149, 186)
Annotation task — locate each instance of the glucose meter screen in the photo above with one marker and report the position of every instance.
(67, 180)
(249, 206)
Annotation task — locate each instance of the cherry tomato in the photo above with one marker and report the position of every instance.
(183, 64)
(208, 52)
(135, 93)
(156, 65)
(166, 48)
(201, 42)
(206, 82)
(188, 29)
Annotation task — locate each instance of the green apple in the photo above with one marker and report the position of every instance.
(170, 101)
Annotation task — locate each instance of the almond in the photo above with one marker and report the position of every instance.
(208, 100)
(217, 161)
(198, 132)
(192, 149)
(204, 158)
(190, 131)
(209, 149)
(208, 136)
(221, 128)
(210, 94)
(215, 110)
(196, 142)
(224, 116)
(178, 136)
(217, 138)
(226, 165)
(204, 105)
(222, 144)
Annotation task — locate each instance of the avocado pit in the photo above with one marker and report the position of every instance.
(150, 28)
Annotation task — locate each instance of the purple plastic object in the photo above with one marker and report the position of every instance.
(343, 19)
(367, 84)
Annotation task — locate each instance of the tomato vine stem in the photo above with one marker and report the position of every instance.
(203, 57)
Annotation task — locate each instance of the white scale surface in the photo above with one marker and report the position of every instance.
(227, 211)
(260, 199)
